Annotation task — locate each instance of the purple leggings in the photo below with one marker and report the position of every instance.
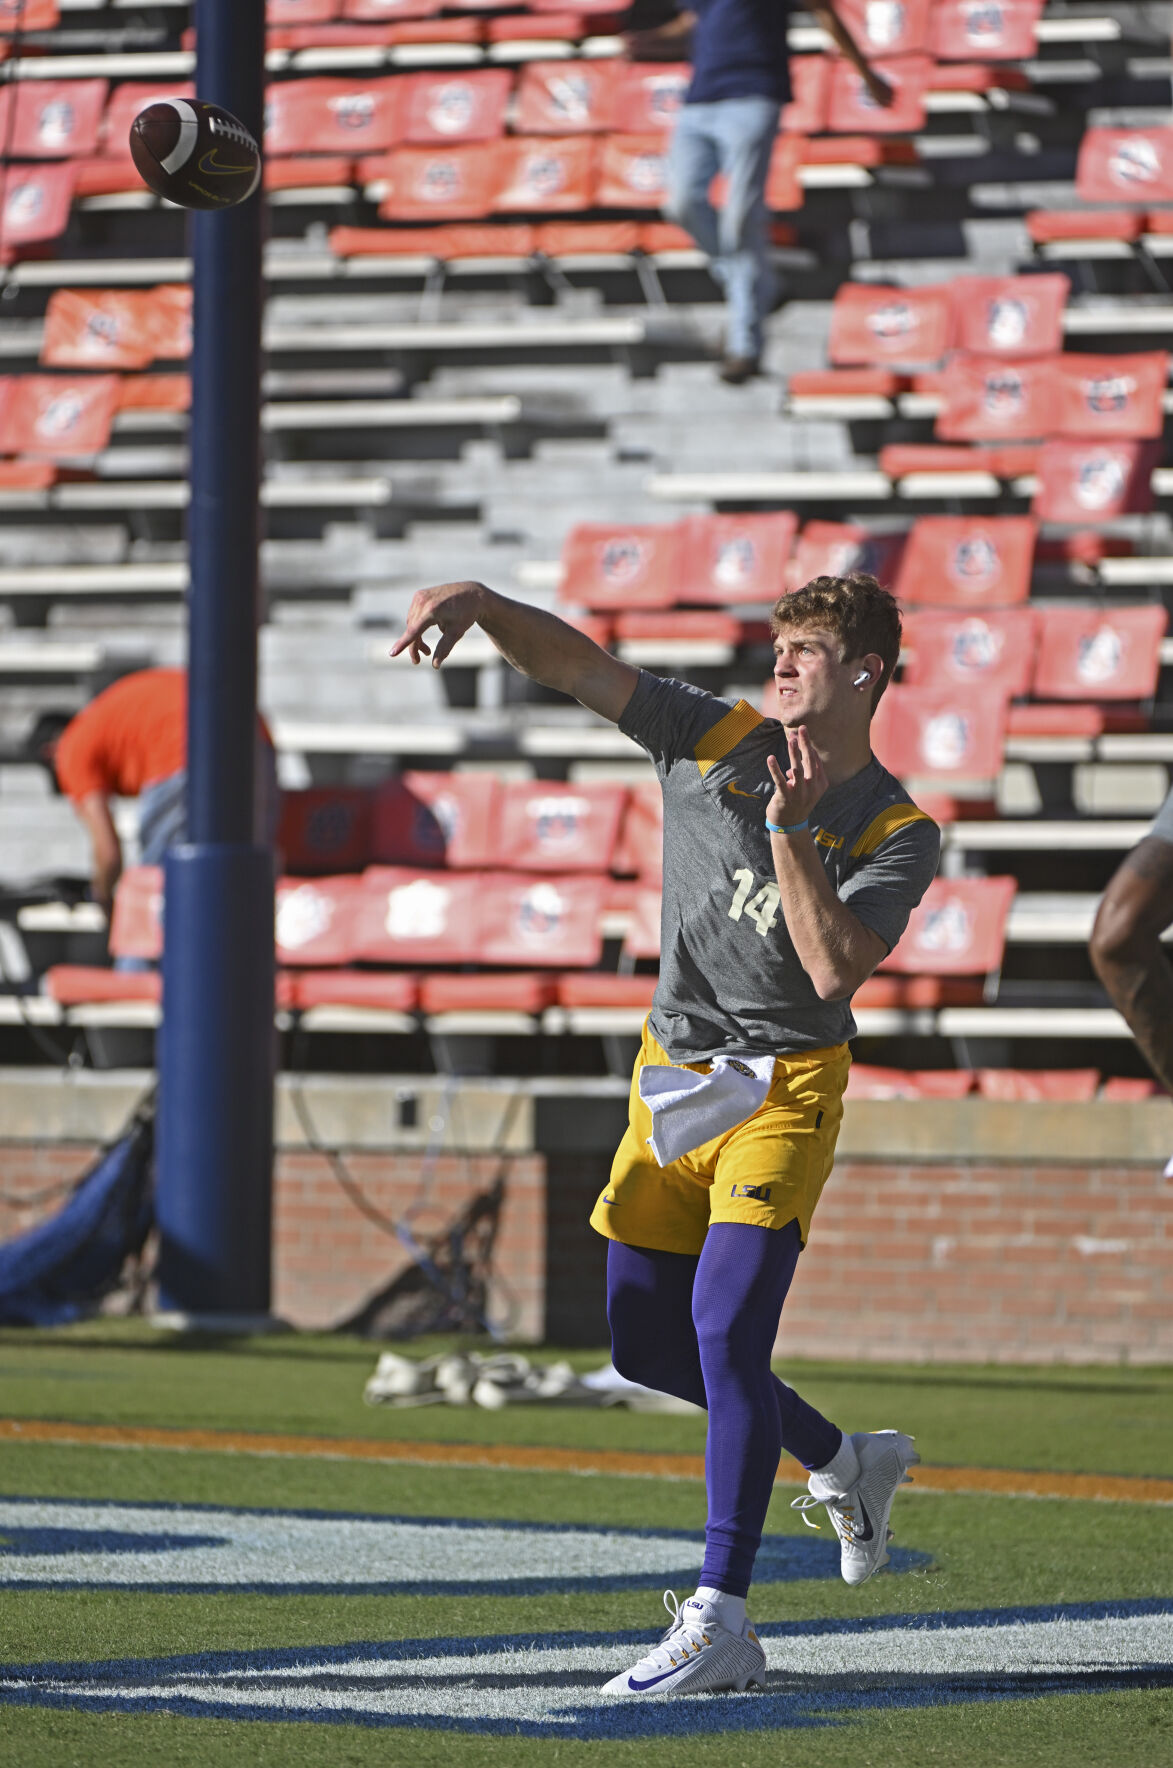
(703, 1329)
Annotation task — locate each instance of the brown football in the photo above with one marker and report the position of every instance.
(195, 154)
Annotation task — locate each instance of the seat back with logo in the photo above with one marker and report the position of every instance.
(994, 651)
(457, 106)
(967, 561)
(316, 920)
(1099, 653)
(957, 929)
(833, 549)
(553, 175)
(1125, 166)
(54, 120)
(550, 827)
(437, 819)
(727, 560)
(326, 115)
(566, 97)
(1113, 396)
(941, 733)
(872, 323)
(985, 30)
(1094, 481)
(1010, 315)
(611, 567)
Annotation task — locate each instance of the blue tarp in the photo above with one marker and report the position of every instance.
(59, 1269)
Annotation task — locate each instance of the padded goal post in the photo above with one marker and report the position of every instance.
(216, 1050)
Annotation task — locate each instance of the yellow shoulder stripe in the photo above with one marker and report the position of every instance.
(726, 734)
(896, 817)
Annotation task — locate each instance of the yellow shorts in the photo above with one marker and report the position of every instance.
(767, 1171)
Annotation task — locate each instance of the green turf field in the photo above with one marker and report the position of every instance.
(211, 1607)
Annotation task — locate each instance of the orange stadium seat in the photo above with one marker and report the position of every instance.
(994, 30)
(300, 12)
(682, 625)
(867, 1080)
(832, 549)
(306, 171)
(136, 924)
(436, 819)
(872, 323)
(1011, 461)
(887, 30)
(1099, 653)
(581, 239)
(1064, 1085)
(784, 192)
(967, 561)
(610, 567)
(632, 172)
(325, 829)
(994, 650)
(406, 916)
(27, 475)
(29, 15)
(388, 11)
(595, 988)
(977, 77)
(387, 991)
(1094, 481)
(640, 846)
(1125, 165)
(553, 27)
(116, 328)
(1045, 225)
(940, 733)
(503, 991)
(1127, 1088)
(856, 150)
(553, 920)
(36, 202)
(550, 827)
(431, 31)
(1117, 396)
(847, 383)
(58, 415)
(126, 101)
(550, 175)
(735, 558)
(988, 400)
(325, 115)
(75, 985)
(155, 392)
(1009, 315)
(851, 109)
(316, 920)
(647, 96)
(54, 119)
(957, 929)
(104, 174)
(440, 183)
(810, 79)
(462, 106)
(565, 97)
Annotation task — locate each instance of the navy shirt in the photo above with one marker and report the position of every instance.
(739, 50)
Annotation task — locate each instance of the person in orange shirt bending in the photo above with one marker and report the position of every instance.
(131, 742)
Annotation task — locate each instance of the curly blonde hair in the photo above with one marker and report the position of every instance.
(856, 609)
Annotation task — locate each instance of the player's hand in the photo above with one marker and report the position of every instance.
(798, 787)
(453, 607)
(879, 90)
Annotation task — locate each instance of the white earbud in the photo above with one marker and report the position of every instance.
(861, 678)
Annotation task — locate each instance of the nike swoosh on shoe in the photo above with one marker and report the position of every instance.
(639, 1687)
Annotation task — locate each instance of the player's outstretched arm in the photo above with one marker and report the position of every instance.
(536, 643)
(1126, 950)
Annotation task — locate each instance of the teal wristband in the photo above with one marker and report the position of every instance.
(786, 828)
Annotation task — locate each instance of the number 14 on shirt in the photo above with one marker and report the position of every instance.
(763, 909)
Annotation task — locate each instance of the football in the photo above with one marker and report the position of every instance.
(195, 154)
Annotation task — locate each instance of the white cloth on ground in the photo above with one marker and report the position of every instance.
(689, 1109)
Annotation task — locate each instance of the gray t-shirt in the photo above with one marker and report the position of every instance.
(730, 979)
(1164, 823)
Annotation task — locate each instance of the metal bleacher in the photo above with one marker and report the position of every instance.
(468, 384)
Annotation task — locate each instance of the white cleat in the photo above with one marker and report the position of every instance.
(860, 1515)
(696, 1655)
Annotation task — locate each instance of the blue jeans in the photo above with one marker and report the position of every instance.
(734, 136)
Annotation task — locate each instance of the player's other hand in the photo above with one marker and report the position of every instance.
(879, 90)
(799, 785)
(453, 607)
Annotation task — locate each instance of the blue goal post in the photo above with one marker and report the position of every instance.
(217, 1041)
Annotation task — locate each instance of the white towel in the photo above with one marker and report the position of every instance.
(689, 1109)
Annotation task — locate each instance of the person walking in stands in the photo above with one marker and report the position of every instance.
(792, 861)
(131, 742)
(727, 124)
(1126, 950)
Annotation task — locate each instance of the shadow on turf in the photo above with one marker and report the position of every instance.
(376, 1685)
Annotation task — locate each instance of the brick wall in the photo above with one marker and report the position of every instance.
(978, 1263)
(964, 1260)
